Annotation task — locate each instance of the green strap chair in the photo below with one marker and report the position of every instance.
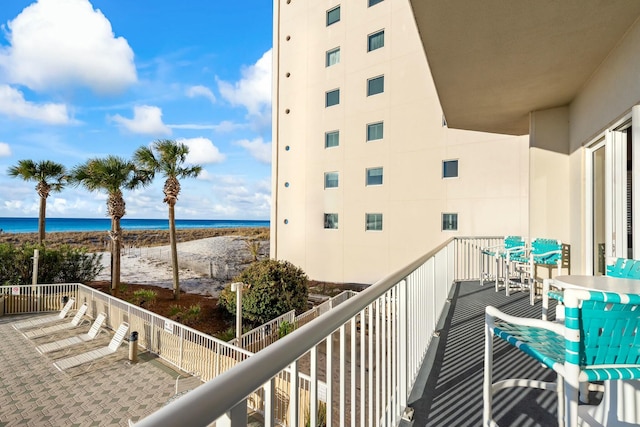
(598, 341)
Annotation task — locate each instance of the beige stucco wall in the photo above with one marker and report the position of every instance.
(558, 199)
(549, 174)
(490, 195)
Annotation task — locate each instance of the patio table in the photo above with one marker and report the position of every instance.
(620, 405)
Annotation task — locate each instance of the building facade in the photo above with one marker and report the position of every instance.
(566, 73)
(367, 176)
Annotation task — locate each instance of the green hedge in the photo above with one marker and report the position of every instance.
(275, 287)
(62, 264)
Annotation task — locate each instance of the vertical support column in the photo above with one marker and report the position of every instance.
(269, 402)
(293, 394)
(313, 400)
(329, 377)
(635, 170)
(402, 340)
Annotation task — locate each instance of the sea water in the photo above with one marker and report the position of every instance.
(30, 225)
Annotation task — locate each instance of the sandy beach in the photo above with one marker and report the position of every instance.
(206, 265)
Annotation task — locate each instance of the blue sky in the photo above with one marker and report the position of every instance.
(88, 78)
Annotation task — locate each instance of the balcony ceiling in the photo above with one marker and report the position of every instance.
(494, 61)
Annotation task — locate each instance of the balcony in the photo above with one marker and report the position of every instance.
(413, 340)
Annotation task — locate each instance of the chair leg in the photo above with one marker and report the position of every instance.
(488, 377)
(561, 401)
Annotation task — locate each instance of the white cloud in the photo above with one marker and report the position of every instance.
(146, 120)
(224, 126)
(202, 151)
(63, 43)
(5, 150)
(204, 91)
(258, 149)
(253, 90)
(13, 104)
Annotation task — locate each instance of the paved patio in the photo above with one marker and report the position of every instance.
(108, 393)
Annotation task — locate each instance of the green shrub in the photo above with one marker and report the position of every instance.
(145, 297)
(285, 328)
(186, 316)
(63, 264)
(274, 288)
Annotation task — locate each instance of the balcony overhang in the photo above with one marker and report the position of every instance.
(494, 61)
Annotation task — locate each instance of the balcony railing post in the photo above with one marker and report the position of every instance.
(293, 394)
(403, 341)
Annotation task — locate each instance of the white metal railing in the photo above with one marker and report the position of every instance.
(265, 334)
(185, 348)
(371, 348)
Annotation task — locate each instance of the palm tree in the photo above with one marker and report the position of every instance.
(167, 157)
(50, 176)
(110, 174)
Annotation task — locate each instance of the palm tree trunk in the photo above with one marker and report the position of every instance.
(174, 252)
(41, 219)
(115, 255)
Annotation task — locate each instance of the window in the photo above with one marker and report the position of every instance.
(376, 41)
(374, 176)
(374, 2)
(332, 139)
(449, 221)
(449, 168)
(333, 15)
(373, 222)
(331, 180)
(375, 131)
(332, 98)
(331, 221)
(375, 85)
(333, 57)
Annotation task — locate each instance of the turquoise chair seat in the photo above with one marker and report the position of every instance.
(598, 341)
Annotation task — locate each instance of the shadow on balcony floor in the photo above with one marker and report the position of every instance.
(448, 391)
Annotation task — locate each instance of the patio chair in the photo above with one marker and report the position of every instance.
(93, 355)
(39, 321)
(78, 320)
(96, 328)
(498, 253)
(597, 342)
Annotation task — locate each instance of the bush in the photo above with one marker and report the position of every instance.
(274, 288)
(145, 297)
(63, 264)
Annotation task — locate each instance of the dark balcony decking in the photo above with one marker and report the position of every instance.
(448, 391)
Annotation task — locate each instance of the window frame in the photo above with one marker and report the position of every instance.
(326, 138)
(444, 169)
(370, 81)
(455, 222)
(327, 63)
(366, 222)
(370, 126)
(326, 175)
(326, 97)
(370, 38)
(333, 9)
(367, 176)
(326, 222)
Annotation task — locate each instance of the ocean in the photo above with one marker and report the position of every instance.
(30, 225)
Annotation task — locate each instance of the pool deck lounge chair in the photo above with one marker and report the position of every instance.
(77, 320)
(96, 328)
(93, 355)
(39, 321)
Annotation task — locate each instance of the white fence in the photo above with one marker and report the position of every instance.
(371, 348)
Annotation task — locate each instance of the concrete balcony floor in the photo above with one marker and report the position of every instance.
(449, 388)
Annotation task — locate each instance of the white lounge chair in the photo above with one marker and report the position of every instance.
(76, 339)
(93, 355)
(39, 321)
(75, 322)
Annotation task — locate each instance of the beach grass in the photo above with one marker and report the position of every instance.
(98, 241)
